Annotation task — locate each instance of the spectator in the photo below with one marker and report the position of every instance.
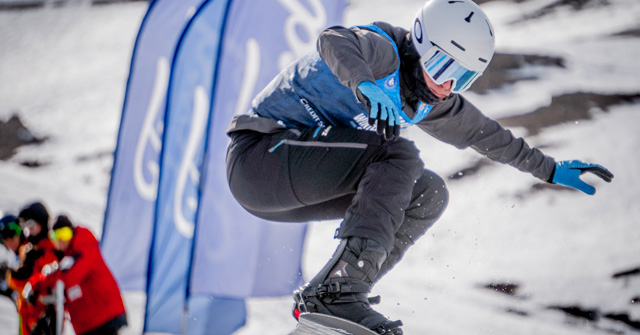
(34, 253)
(11, 237)
(92, 296)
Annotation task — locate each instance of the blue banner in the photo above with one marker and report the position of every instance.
(209, 315)
(186, 122)
(130, 212)
(239, 255)
(172, 226)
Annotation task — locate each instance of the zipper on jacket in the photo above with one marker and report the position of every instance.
(320, 144)
(276, 146)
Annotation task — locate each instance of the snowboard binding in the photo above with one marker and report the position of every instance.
(341, 288)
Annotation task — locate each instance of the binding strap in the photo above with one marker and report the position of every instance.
(339, 290)
(390, 328)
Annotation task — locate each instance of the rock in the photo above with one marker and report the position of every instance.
(504, 69)
(567, 108)
(13, 134)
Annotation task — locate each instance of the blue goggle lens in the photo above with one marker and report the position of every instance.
(441, 68)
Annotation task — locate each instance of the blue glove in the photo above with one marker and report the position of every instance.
(381, 109)
(568, 173)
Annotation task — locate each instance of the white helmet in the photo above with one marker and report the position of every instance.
(457, 29)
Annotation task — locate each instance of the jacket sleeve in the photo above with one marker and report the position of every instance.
(25, 270)
(456, 121)
(355, 55)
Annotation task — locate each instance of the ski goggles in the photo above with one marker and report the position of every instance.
(441, 68)
(63, 234)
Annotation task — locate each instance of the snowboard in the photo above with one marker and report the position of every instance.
(322, 324)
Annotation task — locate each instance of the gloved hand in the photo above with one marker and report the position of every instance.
(381, 108)
(568, 173)
(29, 257)
(29, 295)
(30, 291)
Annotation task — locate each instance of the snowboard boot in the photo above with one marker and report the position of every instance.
(341, 288)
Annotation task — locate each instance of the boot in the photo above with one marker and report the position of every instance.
(341, 288)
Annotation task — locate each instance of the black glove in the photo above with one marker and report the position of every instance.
(26, 268)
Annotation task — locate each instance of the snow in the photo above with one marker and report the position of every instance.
(64, 71)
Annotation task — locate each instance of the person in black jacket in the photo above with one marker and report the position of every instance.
(322, 141)
(35, 253)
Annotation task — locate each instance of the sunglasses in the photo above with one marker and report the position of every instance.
(63, 234)
(441, 68)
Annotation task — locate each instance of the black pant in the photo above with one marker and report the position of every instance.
(111, 327)
(380, 188)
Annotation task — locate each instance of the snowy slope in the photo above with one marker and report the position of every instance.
(63, 71)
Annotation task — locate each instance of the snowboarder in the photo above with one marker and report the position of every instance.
(322, 141)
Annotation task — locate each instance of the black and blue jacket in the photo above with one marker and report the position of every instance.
(308, 94)
(320, 90)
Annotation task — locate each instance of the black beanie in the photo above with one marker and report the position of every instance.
(61, 222)
(36, 212)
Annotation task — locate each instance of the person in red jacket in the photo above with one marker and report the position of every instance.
(34, 253)
(92, 296)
